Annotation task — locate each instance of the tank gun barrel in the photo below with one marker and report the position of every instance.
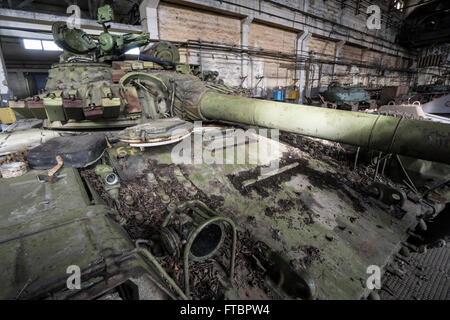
(415, 138)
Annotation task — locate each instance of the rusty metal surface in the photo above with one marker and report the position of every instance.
(440, 105)
(44, 228)
(133, 104)
(425, 277)
(319, 218)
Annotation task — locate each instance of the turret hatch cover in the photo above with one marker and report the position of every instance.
(73, 40)
(157, 132)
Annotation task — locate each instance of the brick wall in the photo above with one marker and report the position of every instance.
(182, 23)
(271, 38)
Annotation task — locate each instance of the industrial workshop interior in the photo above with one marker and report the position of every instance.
(208, 151)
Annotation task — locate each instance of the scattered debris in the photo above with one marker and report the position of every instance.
(141, 205)
(324, 180)
(13, 169)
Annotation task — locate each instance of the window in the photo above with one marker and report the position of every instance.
(398, 4)
(134, 51)
(32, 44)
(50, 46)
(46, 45)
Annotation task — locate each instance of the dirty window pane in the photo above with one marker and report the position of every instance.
(50, 46)
(31, 44)
(133, 51)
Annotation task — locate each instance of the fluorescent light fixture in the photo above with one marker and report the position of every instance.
(50, 46)
(134, 51)
(31, 44)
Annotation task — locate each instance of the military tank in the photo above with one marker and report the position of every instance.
(200, 193)
(351, 98)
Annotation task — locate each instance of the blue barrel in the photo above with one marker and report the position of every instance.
(278, 95)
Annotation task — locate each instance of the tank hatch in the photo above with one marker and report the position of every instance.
(157, 132)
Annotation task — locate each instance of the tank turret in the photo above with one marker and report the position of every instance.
(96, 86)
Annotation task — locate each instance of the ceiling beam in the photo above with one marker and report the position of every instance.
(24, 4)
(33, 21)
